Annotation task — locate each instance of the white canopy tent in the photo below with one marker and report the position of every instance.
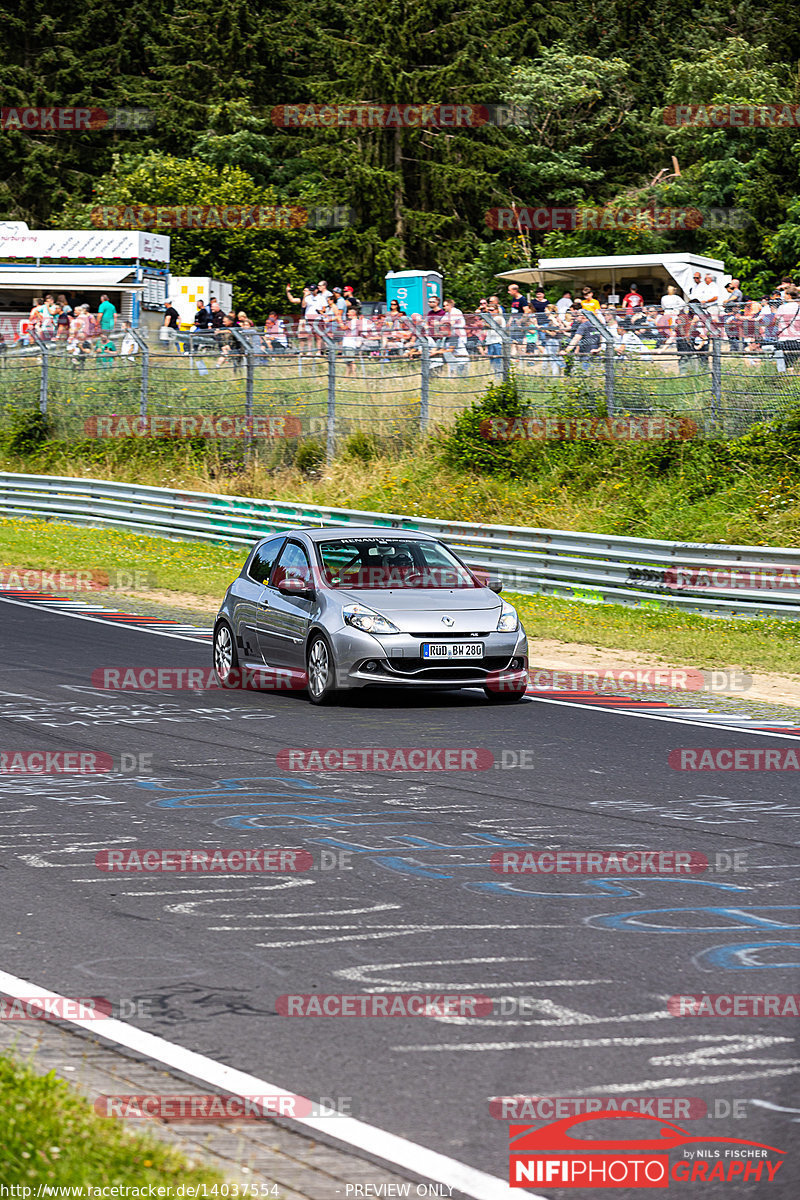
(650, 272)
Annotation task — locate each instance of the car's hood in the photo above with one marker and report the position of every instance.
(420, 610)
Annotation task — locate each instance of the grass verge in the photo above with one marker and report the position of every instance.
(202, 571)
(50, 1135)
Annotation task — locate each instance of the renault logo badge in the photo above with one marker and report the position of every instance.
(448, 621)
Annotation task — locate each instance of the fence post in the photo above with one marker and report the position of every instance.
(505, 341)
(330, 436)
(145, 382)
(424, 385)
(714, 328)
(420, 333)
(246, 342)
(608, 358)
(44, 376)
(504, 334)
(330, 440)
(716, 379)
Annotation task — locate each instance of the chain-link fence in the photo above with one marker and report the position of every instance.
(396, 377)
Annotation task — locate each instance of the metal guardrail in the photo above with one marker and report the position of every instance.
(590, 567)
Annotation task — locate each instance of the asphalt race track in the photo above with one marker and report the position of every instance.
(580, 967)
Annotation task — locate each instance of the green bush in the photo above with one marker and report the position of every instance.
(361, 446)
(310, 457)
(27, 430)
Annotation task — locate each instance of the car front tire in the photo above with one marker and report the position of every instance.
(226, 656)
(321, 672)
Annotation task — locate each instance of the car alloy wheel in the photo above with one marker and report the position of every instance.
(226, 658)
(320, 672)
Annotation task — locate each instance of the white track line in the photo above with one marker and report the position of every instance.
(410, 1156)
(651, 716)
(100, 621)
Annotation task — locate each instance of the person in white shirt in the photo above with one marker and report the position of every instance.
(130, 347)
(671, 301)
(625, 340)
(317, 308)
(709, 294)
(564, 304)
(696, 287)
(788, 324)
(353, 338)
(457, 337)
(494, 340)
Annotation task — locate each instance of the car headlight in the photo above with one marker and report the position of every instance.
(509, 621)
(367, 620)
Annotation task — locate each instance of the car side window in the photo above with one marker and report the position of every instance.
(292, 564)
(263, 560)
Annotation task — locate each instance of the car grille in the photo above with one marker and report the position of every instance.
(447, 635)
(421, 668)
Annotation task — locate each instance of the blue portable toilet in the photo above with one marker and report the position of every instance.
(411, 290)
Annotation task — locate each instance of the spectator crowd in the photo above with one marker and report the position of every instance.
(527, 328)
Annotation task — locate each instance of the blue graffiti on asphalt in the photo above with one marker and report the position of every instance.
(275, 791)
(738, 918)
(238, 789)
(744, 957)
(612, 885)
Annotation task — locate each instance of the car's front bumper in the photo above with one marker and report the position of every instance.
(364, 660)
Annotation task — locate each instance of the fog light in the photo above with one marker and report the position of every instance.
(516, 664)
(370, 665)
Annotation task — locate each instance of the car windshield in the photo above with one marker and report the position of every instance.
(390, 562)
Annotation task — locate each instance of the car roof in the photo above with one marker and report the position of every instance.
(332, 532)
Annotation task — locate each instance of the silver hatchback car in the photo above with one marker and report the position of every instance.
(335, 609)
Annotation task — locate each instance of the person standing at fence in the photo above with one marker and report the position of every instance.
(564, 304)
(62, 327)
(552, 335)
(202, 318)
(695, 288)
(107, 314)
(633, 299)
(709, 295)
(788, 326)
(169, 330)
(671, 302)
(494, 339)
(589, 302)
(539, 308)
(516, 326)
(130, 347)
(585, 341)
(353, 340)
(317, 310)
(351, 299)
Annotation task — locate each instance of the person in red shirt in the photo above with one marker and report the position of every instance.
(633, 299)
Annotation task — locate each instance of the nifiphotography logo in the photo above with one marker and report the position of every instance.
(553, 1155)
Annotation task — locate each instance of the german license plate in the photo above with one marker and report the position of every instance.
(452, 649)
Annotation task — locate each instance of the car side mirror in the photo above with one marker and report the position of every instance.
(492, 582)
(296, 587)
